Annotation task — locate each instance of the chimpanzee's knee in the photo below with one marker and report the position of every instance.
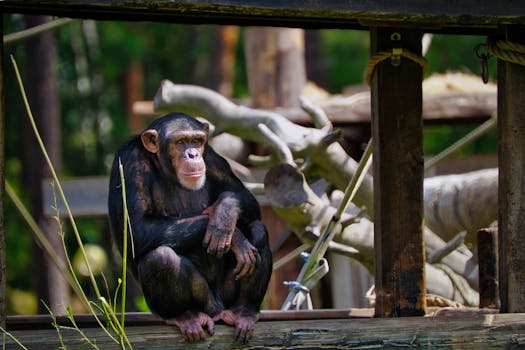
(158, 264)
(258, 234)
(159, 271)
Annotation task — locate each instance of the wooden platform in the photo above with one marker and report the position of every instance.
(319, 329)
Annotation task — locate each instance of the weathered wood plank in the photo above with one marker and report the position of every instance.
(438, 15)
(488, 268)
(511, 130)
(472, 331)
(397, 133)
(134, 319)
(86, 196)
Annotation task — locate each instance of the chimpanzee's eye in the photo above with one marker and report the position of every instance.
(198, 140)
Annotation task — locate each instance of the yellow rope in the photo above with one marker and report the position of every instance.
(383, 55)
(434, 300)
(507, 50)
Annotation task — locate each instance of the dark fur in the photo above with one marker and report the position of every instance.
(177, 274)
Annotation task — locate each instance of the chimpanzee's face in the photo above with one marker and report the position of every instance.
(180, 149)
(185, 150)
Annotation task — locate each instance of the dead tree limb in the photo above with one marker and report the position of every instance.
(450, 201)
(307, 214)
(465, 202)
(327, 157)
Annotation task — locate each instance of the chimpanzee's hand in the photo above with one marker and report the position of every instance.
(217, 240)
(223, 216)
(246, 254)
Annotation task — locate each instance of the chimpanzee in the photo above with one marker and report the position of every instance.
(199, 248)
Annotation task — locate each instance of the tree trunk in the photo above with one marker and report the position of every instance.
(331, 162)
(275, 65)
(222, 62)
(315, 70)
(308, 215)
(43, 98)
(276, 77)
(132, 91)
(328, 161)
(462, 202)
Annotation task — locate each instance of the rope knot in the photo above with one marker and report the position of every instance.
(396, 52)
(506, 50)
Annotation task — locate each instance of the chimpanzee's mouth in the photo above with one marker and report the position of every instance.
(193, 174)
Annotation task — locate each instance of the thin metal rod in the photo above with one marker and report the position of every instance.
(328, 234)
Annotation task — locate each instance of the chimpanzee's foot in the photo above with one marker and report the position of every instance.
(243, 320)
(191, 324)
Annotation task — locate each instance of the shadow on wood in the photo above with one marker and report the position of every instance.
(460, 328)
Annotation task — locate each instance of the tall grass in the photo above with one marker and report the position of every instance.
(104, 310)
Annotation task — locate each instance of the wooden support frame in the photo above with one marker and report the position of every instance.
(397, 133)
(466, 16)
(470, 330)
(469, 16)
(511, 140)
(488, 268)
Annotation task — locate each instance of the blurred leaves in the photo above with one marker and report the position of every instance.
(94, 57)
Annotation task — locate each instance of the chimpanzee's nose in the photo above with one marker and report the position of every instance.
(193, 153)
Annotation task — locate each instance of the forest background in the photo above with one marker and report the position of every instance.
(94, 66)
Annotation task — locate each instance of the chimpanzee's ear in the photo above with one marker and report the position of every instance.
(206, 128)
(150, 140)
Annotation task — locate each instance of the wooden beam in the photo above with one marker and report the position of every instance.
(511, 130)
(86, 196)
(470, 331)
(134, 319)
(467, 16)
(397, 132)
(488, 268)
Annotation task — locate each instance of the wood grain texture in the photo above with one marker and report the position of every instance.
(397, 134)
(488, 268)
(511, 140)
(468, 16)
(470, 331)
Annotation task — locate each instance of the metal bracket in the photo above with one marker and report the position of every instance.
(395, 60)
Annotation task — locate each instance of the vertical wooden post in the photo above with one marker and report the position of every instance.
(2, 183)
(511, 134)
(488, 268)
(397, 130)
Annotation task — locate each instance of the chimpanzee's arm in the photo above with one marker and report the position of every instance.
(151, 232)
(233, 206)
(223, 179)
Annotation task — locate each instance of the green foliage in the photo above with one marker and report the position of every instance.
(90, 73)
(101, 307)
(345, 56)
(140, 303)
(437, 138)
(457, 53)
